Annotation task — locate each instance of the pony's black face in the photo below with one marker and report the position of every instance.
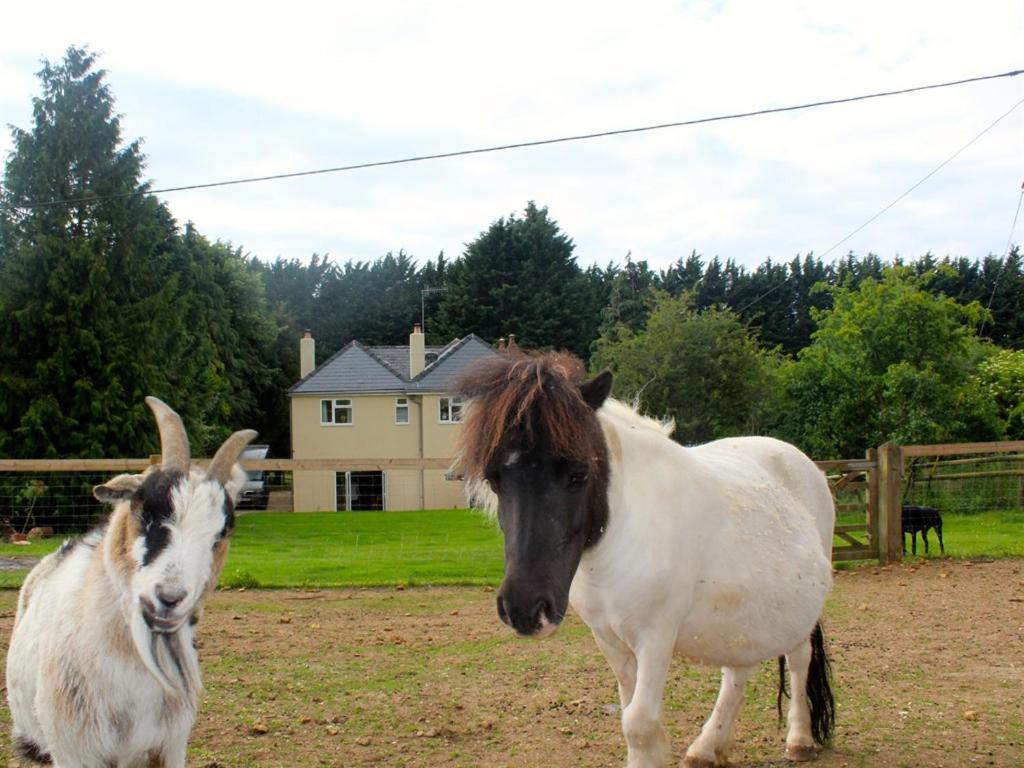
(550, 508)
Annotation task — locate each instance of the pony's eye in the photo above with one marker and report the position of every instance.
(578, 479)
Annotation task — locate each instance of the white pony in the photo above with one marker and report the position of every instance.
(719, 553)
(102, 671)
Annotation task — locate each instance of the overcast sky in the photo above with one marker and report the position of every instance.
(226, 90)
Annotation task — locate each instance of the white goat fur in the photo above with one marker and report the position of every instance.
(89, 682)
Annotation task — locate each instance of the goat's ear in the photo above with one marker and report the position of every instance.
(596, 391)
(117, 488)
(235, 482)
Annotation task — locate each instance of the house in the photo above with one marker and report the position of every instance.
(379, 403)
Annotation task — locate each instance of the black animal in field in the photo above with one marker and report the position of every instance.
(917, 519)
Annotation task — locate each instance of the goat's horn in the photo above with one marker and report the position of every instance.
(173, 440)
(227, 455)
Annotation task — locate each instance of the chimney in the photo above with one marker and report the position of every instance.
(307, 354)
(417, 351)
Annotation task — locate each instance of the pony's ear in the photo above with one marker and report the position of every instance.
(596, 391)
(117, 488)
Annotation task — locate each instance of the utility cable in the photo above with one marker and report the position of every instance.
(917, 184)
(518, 145)
(1006, 258)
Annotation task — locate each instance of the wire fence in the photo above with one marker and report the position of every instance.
(56, 496)
(49, 502)
(966, 484)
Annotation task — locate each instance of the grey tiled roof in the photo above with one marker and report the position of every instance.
(397, 358)
(455, 357)
(356, 368)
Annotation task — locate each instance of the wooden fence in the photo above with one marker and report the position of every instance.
(854, 486)
(869, 492)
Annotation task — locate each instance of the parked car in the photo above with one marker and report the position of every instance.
(255, 493)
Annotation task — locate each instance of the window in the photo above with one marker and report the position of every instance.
(450, 410)
(335, 411)
(401, 410)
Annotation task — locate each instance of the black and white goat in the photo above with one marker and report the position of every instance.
(102, 669)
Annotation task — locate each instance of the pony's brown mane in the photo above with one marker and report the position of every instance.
(535, 395)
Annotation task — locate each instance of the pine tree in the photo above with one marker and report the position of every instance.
(86, 298)
(519, 277)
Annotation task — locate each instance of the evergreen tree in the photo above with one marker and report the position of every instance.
(86, 295)
(432, 283)
(778, 299)
(373, 302)
(713, 288)
(292, 287)
(598, 283)
(681, 276)
(519, 277)
(631, 297)
(233, 344)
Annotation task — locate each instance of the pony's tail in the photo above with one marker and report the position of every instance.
(819, 689)
(783, 687)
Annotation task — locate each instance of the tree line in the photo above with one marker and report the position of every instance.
(107, 299)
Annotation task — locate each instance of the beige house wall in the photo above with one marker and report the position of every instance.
(373, 434)
(313, 491)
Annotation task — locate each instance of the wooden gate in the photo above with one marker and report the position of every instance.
(854, 486)
(868, 497)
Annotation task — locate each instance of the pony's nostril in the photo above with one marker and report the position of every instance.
(170, 597)
(542, 610)
(503, 611)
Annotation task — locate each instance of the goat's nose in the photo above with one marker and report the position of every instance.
(170, 596)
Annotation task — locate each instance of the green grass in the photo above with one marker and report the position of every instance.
(984, 534)
(343, 549)
(347, 549)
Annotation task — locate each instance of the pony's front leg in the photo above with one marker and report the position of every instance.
(646, 739)
(623, 664)
(712, 746)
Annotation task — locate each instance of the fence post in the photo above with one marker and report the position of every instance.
(871, 476)
(890, 503)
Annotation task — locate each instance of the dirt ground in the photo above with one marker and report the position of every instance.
(928, 662)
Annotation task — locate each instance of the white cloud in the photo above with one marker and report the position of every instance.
(225, 90)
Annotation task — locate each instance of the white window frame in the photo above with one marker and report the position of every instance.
(400, 403)
(451, 402)
(337, 403)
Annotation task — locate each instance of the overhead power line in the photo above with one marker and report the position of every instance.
(886, 208)
(925, 178)
(518, 145)
(1006, 257)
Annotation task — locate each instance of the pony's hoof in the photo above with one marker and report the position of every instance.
(800, 753)
(695, 761)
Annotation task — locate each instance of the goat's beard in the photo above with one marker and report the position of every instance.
(168, 656)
